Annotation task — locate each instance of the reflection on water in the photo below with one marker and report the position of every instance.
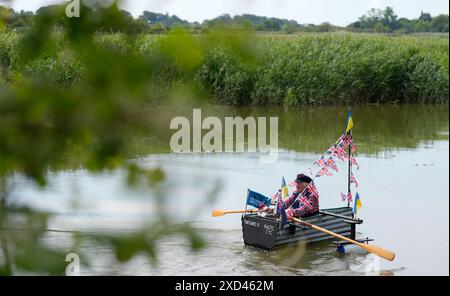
(225, 255)
(313, 129)
(403, 183)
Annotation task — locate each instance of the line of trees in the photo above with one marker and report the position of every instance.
(374, 21)
(386, 21)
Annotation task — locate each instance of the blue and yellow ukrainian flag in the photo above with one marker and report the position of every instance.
(357, 204)
(284, 189)
(349, 121)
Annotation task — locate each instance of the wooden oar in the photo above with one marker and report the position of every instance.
(218, 213)
(388, 255)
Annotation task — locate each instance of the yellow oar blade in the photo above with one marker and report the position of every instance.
(388, 255)
(218, 213)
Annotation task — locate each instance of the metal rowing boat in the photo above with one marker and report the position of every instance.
(265, 232)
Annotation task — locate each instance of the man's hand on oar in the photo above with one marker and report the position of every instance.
(388, 255)
(218, 213)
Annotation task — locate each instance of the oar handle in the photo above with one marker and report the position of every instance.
(388, 255)
(241, 211)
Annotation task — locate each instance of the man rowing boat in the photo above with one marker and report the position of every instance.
(303, 202)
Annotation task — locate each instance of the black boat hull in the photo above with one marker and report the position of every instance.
(265, 233)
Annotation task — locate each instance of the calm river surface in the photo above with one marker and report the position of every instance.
(403, 183)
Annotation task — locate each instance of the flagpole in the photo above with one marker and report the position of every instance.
(349, 164)
(349, 172)
(245, 213)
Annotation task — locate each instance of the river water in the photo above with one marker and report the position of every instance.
(403, 184)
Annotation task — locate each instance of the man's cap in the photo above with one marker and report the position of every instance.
(303, 178)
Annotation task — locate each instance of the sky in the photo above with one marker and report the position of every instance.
(342, 12)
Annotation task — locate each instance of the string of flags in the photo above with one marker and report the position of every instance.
(326, 164)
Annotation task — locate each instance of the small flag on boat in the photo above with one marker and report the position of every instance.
(353, 180)
(281, 210)
(284, 189)
(358, 204)
(257, 200)
(349, 121)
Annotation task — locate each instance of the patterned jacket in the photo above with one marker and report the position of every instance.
(303, 205)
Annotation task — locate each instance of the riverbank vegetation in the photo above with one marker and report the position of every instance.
(271, 71)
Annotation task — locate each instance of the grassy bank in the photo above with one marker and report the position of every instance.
(284, 70)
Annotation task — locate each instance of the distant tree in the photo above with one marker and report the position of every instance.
(440, 23)
(376, 20)
(272, 24)
(389, 19)
(406, 26)
(379, 28)
(326, 27)
(290, 27)
(153, 18)
(426, 17)
(422, 26)
(370, 19)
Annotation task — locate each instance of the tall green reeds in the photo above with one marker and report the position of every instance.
(292, 70)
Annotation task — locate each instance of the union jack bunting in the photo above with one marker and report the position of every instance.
(353, 180)
(330, 163)
(331, 149)
(349, 142)
(349, 197)
(354, 162)
(339, 156)
(339, 152)
(345, 155)
(342, 142)
(324, 171)
(320, 162)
